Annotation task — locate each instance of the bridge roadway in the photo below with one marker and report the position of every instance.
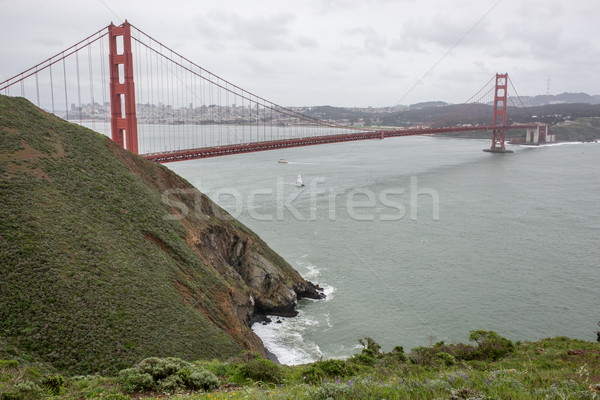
(216, 151)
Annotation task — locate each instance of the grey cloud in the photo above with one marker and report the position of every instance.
(307, 42)
(445, 33)
(372, 42)
(269, 33)
(335, 6)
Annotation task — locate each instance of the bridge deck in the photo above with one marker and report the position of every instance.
(231, 149)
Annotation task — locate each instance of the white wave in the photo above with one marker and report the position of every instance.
(328, 322)
(286, 340)
(533, 146)
(559, 144)
(308, 163)
(328, 290)
(312, 274)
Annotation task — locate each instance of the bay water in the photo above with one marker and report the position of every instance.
(421, 239)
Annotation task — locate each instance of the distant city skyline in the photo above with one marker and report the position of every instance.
(344, 53)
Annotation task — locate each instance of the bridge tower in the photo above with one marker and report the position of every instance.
(123, 120)
(500, 97)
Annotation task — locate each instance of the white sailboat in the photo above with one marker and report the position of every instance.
(299, 182)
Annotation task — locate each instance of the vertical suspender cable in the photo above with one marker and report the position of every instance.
(204, 116)
(271, 119)
(212, 119)
(37, 88)
(175, 97)
(185, 105)
(172, 100)
(189, 107)
(52, 89)
(243, 120)
(150, 78)
(162, 102)
(78, 87)
(194, 105)
(250, 123)
(228, 118)
(91, 71)
(187, 127)
(143, 137)
(103, 73)
(219, 115)
(65, 81)
(193, 121)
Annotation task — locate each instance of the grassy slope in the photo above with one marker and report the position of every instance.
(92, 274)
(583, 129)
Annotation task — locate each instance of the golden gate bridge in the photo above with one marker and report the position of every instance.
(157, 103)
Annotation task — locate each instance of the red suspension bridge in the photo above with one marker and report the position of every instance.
(176, 110)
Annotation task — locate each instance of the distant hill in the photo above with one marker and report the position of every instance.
(96, 275)
(557, 110)
(564, 98)
(427, 104)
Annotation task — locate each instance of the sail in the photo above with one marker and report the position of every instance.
(299, 180)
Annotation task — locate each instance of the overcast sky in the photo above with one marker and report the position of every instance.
(338, 52)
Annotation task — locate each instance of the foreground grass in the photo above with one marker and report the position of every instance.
(554, 368)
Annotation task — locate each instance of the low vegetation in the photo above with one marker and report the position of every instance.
(490, 367)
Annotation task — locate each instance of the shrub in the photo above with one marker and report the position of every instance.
(463, 351)
(219, 368)
(447, 359)
(490, 345)
(363, 359)
(421, 356)
(262, 370)
(23, 391)
(133, 380)
(198, 378)
(370, 347)
(166, 374)
(53, 383)
(170, 383)
(320, 370)
(161, 368)
(9, 364)
(398, 353)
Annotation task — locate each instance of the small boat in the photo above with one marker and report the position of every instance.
(282, 161)
(299, 182)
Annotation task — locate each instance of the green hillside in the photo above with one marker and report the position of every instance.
(584, 129)
(96, 277)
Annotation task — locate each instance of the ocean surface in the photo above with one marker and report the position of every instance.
(421, 239)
